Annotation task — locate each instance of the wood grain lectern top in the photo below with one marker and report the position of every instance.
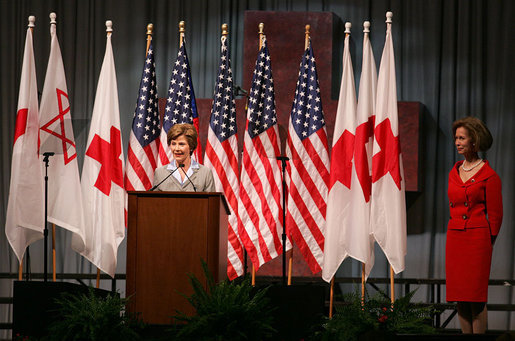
(168, 234)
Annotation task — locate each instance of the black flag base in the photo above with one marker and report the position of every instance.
(34, 307)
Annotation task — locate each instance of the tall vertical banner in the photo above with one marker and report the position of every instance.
(388, 208)
(308, 169)
(25, 211)
(144, 138)
(339, 216)
(222, 155)
(102, 174)
(361, 245)
(180, 107)
(260, 207)
(56, 135)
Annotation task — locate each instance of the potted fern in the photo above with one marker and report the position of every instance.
(91, 317)
(376, 319)
(226, 311)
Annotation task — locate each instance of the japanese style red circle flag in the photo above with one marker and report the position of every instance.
(102, 174)
(56, 135)
(388, 208)
(25, 215)
(338, 217)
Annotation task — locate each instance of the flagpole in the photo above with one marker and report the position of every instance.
(389, 16)
(182, 29)
(109, 30)
(261, 27)
(32, 20)
(150, 29)
(331, 298)
(53, 253)
(392, 287)
(362, 284)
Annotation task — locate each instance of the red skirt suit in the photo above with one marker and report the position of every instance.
(476, 215)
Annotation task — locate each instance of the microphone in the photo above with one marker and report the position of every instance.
(47, 156)
(156, 186)
(191, 182)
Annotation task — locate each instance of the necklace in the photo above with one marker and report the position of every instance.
(472, 167)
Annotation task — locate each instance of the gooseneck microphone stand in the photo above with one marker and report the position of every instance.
(45, 231)
(283, 160)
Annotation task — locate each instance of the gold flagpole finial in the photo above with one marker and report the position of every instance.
(182, 29)
(225, 30)
(150, 30)
(261, 34)
(306, 43)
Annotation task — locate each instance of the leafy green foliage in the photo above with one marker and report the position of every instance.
(227, 311)
(90, 317)
(376, 315)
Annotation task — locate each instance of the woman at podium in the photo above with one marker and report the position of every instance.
(183, 174)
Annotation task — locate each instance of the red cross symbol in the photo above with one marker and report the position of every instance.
(62, 135)
(342, 151)
(108, 155)
(363, 133)
(387, 160)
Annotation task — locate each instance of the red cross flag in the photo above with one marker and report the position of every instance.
(25, 215)
(56, 135)
(102, 174)
(388, 207)
(340, 194)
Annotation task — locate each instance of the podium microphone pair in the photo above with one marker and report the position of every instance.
(181, 165)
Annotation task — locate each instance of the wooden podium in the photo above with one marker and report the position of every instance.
(168, 234)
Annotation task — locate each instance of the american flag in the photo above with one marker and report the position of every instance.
(309, 165)
(222, 155)
(260, 187)
(180, 106)
(143, 141)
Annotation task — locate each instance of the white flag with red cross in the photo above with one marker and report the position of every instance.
(102, 174)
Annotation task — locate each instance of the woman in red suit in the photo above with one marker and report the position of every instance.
(475, 202)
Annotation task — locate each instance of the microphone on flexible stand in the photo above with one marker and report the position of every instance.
(191, 182)
(156, 186)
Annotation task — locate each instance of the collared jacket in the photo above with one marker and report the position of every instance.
(476, 202)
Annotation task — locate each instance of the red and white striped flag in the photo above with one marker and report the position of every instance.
(308, 169)
(260, 187)
(388, 208)
(64, 191)
(181, 106)
(102, 174)
(144, 139)
(340, 194)
(25, 215)
(222, 155)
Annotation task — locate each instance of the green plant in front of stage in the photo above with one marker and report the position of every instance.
(227, 311)
(375, 318)
(92, 317)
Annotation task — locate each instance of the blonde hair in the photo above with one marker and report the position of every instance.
(478, 132)
(186, 129)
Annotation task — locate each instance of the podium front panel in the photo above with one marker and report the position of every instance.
(168, 235)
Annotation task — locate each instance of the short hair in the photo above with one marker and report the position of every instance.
(477, 130)
(186, 129)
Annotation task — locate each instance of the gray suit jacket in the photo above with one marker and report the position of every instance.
(201, 177)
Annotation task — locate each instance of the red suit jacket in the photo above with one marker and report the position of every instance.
(476, 202)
